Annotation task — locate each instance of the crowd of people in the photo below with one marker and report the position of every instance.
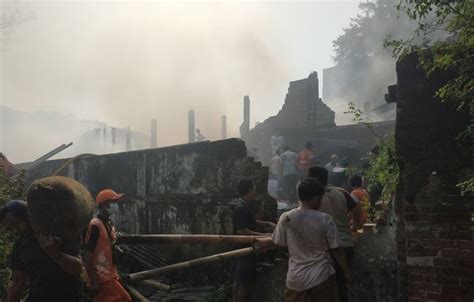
(44, 270)
(318, 234)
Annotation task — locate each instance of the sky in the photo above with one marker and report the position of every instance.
(125, 63)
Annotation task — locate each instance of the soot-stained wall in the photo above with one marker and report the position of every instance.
(180, 189)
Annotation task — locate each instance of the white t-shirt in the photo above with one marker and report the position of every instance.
(309, 235)
(275, 165)
(277, 142)
(288, 163)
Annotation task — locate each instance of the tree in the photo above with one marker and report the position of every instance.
(454, 53)
(10, 188)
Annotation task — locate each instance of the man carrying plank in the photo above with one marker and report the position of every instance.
(245, 223)
(311, 236)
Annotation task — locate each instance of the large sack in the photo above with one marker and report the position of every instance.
(60, 206)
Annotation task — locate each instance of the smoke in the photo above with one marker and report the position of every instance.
(124, 63)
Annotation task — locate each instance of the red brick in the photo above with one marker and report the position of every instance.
(440, 262)
(415, 277)
(468, 283)
(464, 244)
(465, 264)
(422, 252)
(461, 273)
(463, 235)
(423, 235)
(457, 254)
(432, 296)
(440, 243)
(423, 286)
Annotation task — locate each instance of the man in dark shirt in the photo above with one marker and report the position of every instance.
(246, 223)
(39, 264)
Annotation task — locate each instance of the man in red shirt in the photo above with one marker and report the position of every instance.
(98, 252)
(304, 160)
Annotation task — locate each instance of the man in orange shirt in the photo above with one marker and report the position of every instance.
(98, 252)
(304, 160)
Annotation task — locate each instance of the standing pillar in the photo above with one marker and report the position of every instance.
(128, 140)
(153, 135)
(245, 127)
(224, 127)
(191, 127)
(114, 137)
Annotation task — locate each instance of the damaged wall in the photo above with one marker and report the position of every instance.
(435, 226)
(180, 189)
(305, 117)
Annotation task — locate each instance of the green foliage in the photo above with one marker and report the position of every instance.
(9, 189)
(383, 170)
(453, 54)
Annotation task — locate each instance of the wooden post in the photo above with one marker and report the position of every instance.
(135, 277)
(156, 285)
(170, 238)
(136, 296)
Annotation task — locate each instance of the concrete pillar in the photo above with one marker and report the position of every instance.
(104, 137)
(191, 127)
(245, 127)
(114, 136)
(224, 127)
(153, 134)
(128, 140)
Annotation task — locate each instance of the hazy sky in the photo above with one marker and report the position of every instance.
(124, 63)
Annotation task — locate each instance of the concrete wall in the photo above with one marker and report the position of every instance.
(435, 229)
(179, 189)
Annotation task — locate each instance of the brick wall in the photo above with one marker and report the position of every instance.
(435, 247)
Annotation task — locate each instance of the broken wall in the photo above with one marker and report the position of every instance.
(179, 189)
(435, 227)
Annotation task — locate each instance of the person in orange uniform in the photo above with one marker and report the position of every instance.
(360, 195)
(305, 158)
(99, 243)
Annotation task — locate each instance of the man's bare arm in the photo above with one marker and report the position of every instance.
(17, 286)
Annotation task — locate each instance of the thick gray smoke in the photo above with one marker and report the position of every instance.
(124, 63)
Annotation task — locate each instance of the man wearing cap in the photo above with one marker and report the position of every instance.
(99, 244)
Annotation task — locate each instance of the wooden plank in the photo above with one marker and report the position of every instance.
(135, 277)
(178, 238)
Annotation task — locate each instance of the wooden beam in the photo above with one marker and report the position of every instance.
(156, 285)
(135, 277)
(136, 296)
(172, 238)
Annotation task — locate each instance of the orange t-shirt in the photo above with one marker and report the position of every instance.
(362, 198)
(304, 160)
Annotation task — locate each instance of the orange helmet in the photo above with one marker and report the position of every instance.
(107, 195)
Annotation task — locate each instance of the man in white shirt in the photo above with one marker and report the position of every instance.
(338, 203)
(311, 236)
(276, 141)
(289, 161)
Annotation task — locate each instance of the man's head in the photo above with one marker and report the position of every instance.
(320, 173)
(14, 217)
(278, 152)
(106, 198)
(246, 189)
(286, 148)
(309, 145)
(356, 181)
(310, 192)
(334, 159)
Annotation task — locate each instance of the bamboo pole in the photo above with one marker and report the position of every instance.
(156, 285)
(172, 238)
(136, 294)
(135, 277)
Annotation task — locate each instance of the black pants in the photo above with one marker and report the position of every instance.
(289, 187)
(340, 279)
